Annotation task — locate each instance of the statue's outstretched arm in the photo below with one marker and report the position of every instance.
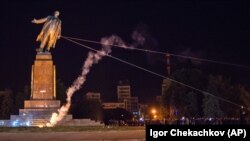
(39, 21)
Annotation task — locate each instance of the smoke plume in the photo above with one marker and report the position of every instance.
(111, 41)
(92, 58)
(140, 36)
(141, 39)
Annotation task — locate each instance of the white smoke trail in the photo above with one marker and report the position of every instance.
(91, 59)
(112, 40)
(138, 36)
(62, 112)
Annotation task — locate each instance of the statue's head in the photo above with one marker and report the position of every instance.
(56, 13)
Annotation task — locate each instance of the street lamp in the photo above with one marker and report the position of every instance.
(155, 116)
(153, 111)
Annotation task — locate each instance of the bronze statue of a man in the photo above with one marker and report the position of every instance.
(51, 31)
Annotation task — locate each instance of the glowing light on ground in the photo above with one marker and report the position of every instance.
(40, 126)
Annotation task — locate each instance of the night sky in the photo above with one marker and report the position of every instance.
(215, 30)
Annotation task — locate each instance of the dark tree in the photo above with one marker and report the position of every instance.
(223, 88)
(211, 107)
(244, 95)
(27, 92)
(21, 97)
(117, 114)
(85, 108)
(211, 104)
(61, 91)
(184, 101)
(245, 98)
(192, 104)
(6, 105)
(19, 102)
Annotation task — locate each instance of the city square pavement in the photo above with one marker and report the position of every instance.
(129, 135)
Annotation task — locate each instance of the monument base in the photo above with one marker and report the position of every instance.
(37, 115)
(41, 104)
(38, 110)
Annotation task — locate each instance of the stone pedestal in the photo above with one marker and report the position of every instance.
(44, 104)
(43, 78)
(38, 110)
(43, 84)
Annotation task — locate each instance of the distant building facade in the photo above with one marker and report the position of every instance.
(124, 95)
(131, 105)
(93, 96)
(143, 111)
(123, 91)
(113, 105)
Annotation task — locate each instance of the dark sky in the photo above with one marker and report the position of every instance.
(216, 30)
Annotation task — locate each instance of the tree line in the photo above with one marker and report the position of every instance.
(179, 100)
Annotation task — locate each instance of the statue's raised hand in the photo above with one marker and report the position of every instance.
(34, 21)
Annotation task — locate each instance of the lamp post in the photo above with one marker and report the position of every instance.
(153, 111)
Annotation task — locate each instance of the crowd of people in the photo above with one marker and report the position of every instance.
(239, 120)
(205, 121)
